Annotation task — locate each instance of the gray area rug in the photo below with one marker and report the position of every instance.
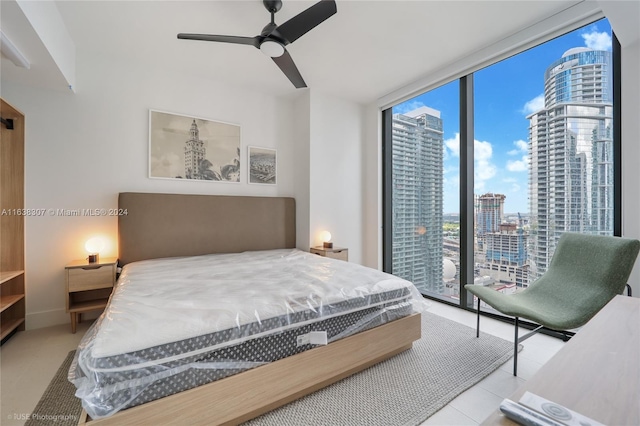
(404, 390)
(58, 404)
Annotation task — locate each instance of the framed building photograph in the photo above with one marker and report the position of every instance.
(262, 165)
(185, 147)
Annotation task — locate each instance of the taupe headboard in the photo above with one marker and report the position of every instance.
(168, 225)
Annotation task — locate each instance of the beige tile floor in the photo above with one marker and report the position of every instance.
(29, 360)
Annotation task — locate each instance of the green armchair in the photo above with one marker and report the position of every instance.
(585, 273)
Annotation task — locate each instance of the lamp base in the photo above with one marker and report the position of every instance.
(93, 258)
(327, 244)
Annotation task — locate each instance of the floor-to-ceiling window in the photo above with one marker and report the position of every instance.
(542, 148)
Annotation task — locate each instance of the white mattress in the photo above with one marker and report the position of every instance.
(178, 298)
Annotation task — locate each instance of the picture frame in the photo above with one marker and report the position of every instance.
(193, 148)
(263, 166)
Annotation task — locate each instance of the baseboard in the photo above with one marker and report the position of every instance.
(43, 319)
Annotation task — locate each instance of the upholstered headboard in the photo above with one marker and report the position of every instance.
(168, 225)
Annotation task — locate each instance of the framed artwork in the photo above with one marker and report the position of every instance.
(262, 165)
(185, 147)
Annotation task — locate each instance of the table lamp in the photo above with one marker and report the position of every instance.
(326, 239)
(94, 246)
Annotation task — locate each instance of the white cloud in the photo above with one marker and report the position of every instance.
(407, 106)
(453, 144)
(482, 153)
(521, 146)
(597, 40)
(482, 150)
(484, 169)
(535, 104)
(518, 165)
(450, 169)
(515, 184)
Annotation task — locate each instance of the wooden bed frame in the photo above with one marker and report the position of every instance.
(242, 223)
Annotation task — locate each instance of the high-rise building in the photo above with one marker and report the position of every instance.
(418, 150)
(489, 209)
(570, 153)
(501, 247)
(506, 255)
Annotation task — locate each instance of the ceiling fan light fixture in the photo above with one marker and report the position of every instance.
(272, 48)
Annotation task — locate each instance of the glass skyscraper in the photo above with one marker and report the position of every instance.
(417, 198)
(570, 153)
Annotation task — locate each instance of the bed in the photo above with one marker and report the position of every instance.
(286, 322)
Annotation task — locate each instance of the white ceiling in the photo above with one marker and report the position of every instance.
(365, 51)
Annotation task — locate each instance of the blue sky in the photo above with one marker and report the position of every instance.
(505, 93)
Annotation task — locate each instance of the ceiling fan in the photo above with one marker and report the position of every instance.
(273, 38)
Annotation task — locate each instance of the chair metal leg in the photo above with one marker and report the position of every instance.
(478, 320)
(517, 340)
(515, 350)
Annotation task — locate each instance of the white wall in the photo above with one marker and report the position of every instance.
(83, 149)
(335, 172)
(302, 162)
(329, 145)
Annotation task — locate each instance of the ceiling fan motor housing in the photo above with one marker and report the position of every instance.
(272, 5)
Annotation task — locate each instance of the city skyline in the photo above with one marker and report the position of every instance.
(560, 171)
(505, 94)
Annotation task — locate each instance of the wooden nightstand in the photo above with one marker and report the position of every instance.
(339, 253)
(88, 286)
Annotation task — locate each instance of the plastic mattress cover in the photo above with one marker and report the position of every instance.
(243, 296)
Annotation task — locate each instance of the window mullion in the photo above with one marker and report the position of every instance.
(466, 186)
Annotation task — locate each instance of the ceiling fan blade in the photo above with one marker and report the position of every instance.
(285, 63)
(252, 41)
(305, 21)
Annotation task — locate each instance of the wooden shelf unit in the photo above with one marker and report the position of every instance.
(12, 290)
(8, 301)
(9, 275)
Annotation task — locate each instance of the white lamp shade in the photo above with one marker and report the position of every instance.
(325, 236)
(94, 245)
(272, 48)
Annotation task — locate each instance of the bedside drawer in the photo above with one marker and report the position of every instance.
(91, 277)
(340, 255)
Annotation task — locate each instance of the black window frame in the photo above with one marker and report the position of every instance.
(467, 183)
